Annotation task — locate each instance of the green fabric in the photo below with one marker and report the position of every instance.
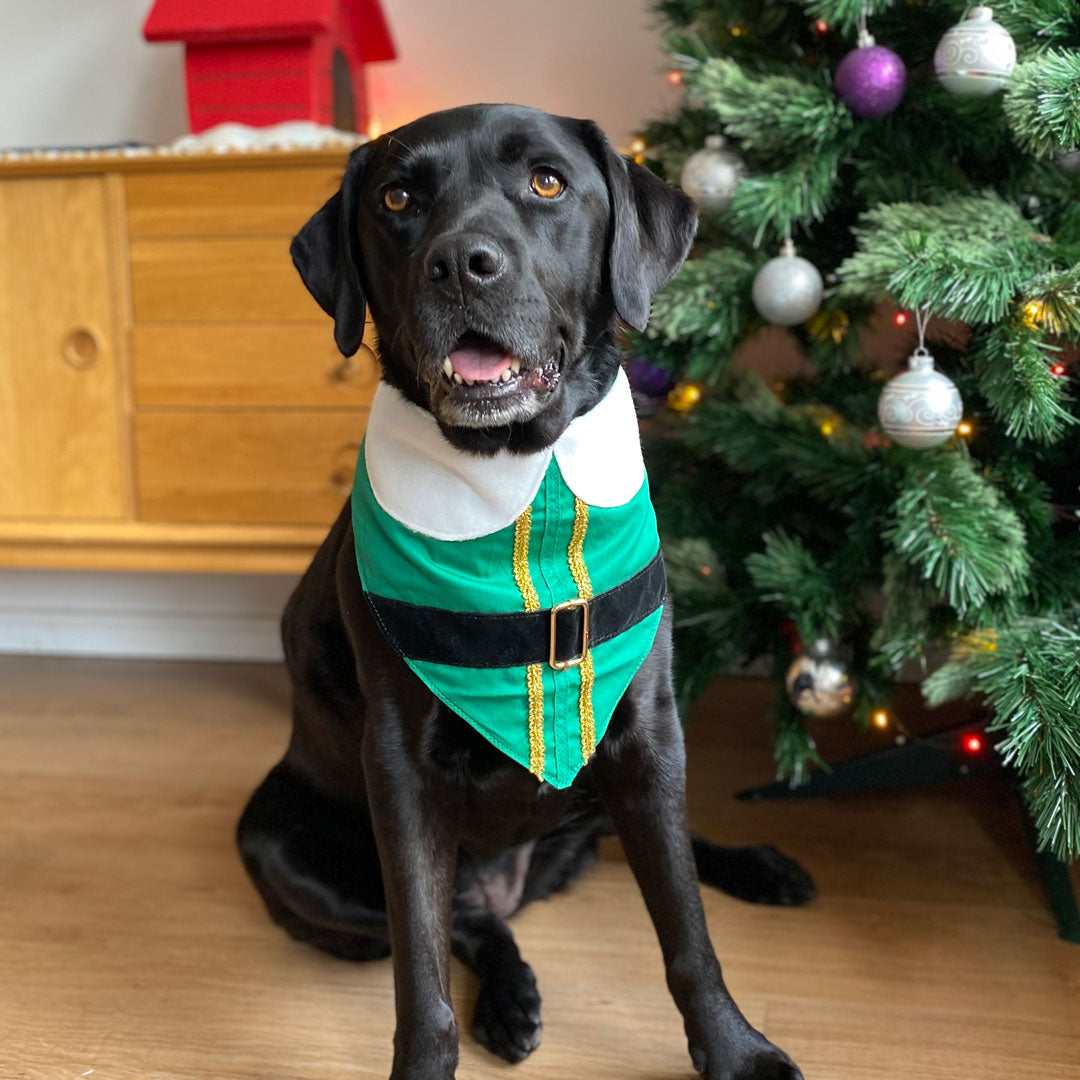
(477, 576)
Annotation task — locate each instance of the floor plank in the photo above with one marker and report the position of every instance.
(133, 948)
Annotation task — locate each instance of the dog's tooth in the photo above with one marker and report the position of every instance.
(515, 366)
(448, 368)
(469, 382)
(458, 378)
(507, 375)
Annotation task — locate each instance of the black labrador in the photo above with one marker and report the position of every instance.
(391, 826)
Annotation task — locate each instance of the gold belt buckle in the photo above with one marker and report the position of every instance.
(562, 665)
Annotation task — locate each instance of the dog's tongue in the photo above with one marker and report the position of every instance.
(480, 363)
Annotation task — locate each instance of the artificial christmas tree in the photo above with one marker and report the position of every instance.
(790, 515)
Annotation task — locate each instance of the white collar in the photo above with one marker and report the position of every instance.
(431, 487)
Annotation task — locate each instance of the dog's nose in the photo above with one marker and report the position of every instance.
(472, 261)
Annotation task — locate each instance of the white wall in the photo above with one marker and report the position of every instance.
(77, 72)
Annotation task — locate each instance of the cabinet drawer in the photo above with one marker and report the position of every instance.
(295, 365)
(235, 466)
(229, 279)
(228, 202)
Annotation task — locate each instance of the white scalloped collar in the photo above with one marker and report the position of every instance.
(431, 487)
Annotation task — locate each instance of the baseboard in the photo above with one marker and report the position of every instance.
(172, 616)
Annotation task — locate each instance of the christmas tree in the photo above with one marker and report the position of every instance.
(889, 514)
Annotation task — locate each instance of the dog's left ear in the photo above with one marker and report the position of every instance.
(326, 252)
(651, 229)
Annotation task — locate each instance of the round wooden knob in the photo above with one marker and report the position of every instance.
(341, 478)
(81, 348)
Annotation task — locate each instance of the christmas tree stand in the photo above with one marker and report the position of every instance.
(959, 753)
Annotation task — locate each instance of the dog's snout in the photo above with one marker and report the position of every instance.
(471, 261)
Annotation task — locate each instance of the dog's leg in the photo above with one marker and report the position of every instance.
(640, 774)
(416, 820)
(507, 1016)
(758, 874)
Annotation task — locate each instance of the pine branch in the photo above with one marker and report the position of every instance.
(1029, 674)
(966, 258)
(770, 114)
(1012, 365)
(1042, 103)
(951, 524)
(793, 746)
(1036, 23)
(844, 14)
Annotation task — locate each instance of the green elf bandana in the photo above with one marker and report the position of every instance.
(443, 537)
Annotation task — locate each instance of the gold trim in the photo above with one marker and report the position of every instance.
(534, 680)
(576, 558)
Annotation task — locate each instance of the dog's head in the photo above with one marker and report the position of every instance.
(495, 245)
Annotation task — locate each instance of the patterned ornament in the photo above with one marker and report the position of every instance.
(976, 57)
(710, 176)
(920, 407)
(788, 289)
(684, 397)
(819, 683)
(871, 79)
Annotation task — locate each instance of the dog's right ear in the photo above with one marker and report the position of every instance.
(326, 252)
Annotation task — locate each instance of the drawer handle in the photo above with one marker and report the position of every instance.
(341, 479)
(351, 366)
(81, 348)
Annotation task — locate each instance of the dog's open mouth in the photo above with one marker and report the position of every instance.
(478, 367)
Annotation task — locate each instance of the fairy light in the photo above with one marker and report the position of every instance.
(637, 145)
(965, 429)
(828, 429)
(1058, 369)
(374, 128)
(675, 77)
(881, 719)
(821, 26)
(900, 318)
(973, 744)
(1034, 314)
(738, 30)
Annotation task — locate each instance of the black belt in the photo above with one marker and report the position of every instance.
(560, 636)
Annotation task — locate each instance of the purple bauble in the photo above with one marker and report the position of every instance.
(871, 79)
(649, 379)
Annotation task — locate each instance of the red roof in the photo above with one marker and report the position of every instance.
(207, 22)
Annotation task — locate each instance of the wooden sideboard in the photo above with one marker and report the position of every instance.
(170, 395)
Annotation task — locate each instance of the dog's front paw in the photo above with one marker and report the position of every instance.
(761, 1062)
(507, 1016)
(758, 874)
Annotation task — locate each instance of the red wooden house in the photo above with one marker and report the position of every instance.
(260, 62)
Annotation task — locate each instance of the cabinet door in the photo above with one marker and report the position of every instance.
(60, 417)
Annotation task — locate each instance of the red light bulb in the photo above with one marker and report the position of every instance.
(1058, 369)
(675, 77)
(900, 318)
(821, 26)
(973, 744)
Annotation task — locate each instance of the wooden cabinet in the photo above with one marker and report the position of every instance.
(170, 395)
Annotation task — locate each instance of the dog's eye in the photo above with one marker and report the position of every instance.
(547, 184)
(396, 199)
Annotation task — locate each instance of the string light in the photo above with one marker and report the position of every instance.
(881, 719)
(973, 744)
(637, 145)
(965, 429)
(821, 26)
(1034, 314)
(374, 128)
(737, 30)
(828, 429)
(900, 318)
(675, 77)
(1058, 369)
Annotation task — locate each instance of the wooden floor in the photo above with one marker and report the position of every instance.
(132, 946)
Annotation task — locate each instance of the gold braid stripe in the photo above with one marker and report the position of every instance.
(575, 556)
(534, 673)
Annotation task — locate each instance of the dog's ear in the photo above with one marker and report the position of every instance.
(651, 229)
(326, 252)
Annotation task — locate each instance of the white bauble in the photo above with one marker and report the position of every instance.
(710, 176)
(920, 407)
(788, 289)
(976, 57)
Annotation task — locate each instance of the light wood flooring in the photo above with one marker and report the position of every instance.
(133, 948)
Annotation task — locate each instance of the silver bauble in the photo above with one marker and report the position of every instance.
(1069, 160)
(710, 176)
(920, 407)
(977, 56)
(818, 682)
(788, 289)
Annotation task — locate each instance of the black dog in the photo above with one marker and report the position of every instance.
(391, 826)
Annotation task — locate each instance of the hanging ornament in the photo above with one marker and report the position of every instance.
(684, 397)
(788, 289)
(1069, 160)
(711, 175)
(976, 57)
(871, 79)
(920, 407)
(818, 682)
(649, 379)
